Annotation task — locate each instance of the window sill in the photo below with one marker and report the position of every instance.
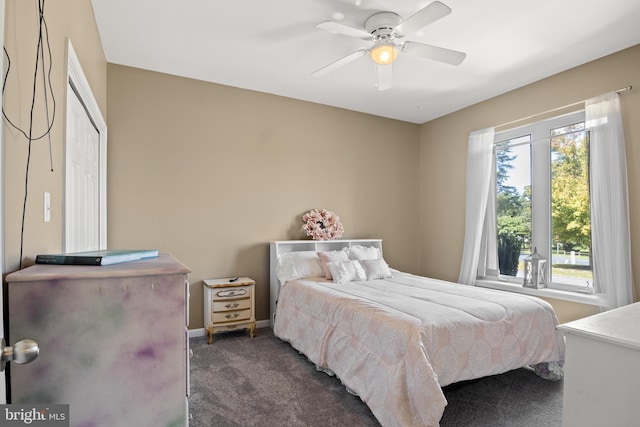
(588, 299)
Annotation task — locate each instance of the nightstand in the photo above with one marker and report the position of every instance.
(229, 306)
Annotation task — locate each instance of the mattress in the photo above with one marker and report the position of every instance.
(395, 342)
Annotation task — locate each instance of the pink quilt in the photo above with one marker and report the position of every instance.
(396, 342)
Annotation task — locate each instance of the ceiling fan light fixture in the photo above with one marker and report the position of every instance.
(383, 53)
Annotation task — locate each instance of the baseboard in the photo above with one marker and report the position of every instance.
(194, 333)
(201, 332)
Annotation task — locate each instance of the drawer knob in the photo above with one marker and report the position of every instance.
(232, 316)
(234, 305)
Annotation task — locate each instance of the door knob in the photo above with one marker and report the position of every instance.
(24, 351)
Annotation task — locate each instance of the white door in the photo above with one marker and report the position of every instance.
(85, 181)
(82, 198)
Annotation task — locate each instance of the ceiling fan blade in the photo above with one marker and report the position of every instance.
(422, 18)
(340, 62)
(336, 28)
(440, 54)
(384, 75)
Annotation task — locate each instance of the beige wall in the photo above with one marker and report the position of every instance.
(443, 145)
(71, 19)
(212, 174)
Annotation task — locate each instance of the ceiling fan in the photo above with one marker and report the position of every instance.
(388, 32)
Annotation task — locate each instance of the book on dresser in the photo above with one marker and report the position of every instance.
(101, 257)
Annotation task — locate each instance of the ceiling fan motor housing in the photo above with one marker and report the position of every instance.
(381, 25)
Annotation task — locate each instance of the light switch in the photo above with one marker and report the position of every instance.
(47, 207)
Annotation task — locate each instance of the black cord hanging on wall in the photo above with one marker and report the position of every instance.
(43, 37)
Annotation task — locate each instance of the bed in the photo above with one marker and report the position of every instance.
(395, 339)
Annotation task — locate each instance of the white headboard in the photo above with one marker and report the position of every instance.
(283, 246)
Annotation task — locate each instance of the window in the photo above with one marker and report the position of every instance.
(578, 154)
(542, 198)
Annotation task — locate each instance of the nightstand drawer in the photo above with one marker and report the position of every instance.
(227, 305)
(231, 292)
(232, 316)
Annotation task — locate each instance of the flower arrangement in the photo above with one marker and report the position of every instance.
(321, 224)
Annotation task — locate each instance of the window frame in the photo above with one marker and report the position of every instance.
(539, 133)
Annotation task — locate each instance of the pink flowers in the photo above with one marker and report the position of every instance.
(321, 224)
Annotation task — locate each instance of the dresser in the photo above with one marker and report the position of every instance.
(229, 304)
(113, 341)
(602, 379)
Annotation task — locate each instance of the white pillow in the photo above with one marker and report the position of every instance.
(331, 256)
(376, 269)
(346, 271)
(359, 252)
(298, 265)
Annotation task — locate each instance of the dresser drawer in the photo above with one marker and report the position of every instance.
(231, 292)
(232, 316)
(227, 305)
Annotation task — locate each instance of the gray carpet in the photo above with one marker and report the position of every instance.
(239, 381)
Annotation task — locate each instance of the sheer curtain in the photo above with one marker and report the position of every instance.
(480, 161)
(610, 233)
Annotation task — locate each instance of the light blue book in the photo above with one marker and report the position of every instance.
(102, 257)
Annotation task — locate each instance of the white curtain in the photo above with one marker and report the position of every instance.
(480, 160)
(609, 202)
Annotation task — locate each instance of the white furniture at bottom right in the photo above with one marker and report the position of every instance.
(602, 379)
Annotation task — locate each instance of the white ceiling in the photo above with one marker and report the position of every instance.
(273, 46)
